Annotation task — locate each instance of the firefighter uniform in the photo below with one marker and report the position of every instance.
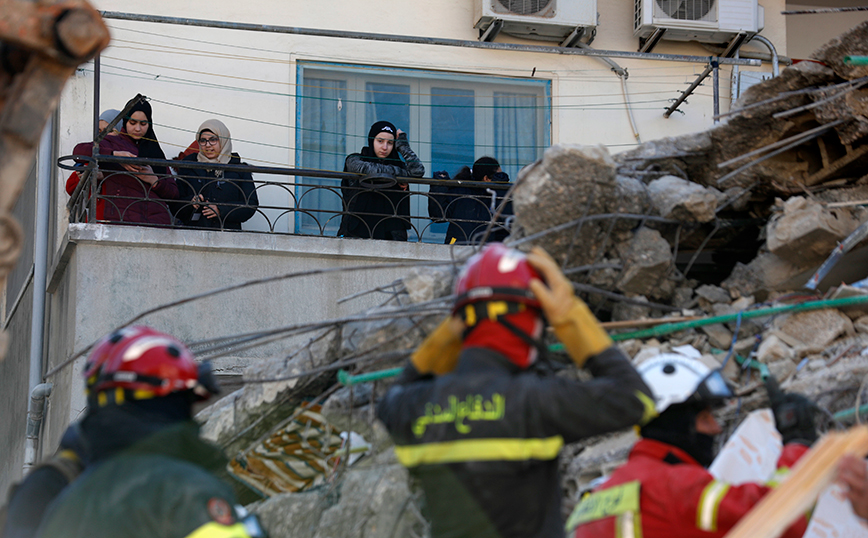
(484, 440)
(662, 492)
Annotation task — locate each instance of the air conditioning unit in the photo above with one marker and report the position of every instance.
(549, 20)
(708, 21)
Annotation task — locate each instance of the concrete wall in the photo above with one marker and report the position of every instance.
(14, 394)
(106, 275)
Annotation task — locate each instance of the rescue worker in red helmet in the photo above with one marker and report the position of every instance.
(29, 499)
(478, 427)
(148, 473)
(664, 488)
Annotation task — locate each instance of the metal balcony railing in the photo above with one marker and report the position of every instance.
(318, 202)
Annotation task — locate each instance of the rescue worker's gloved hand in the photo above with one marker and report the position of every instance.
(794, 414)
(572, 320)
(438, 354)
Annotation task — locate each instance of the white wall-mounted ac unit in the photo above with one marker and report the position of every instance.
(550, 20)
(709, 21)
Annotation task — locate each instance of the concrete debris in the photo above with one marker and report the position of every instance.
(373, 499)
(679, 199)
(861, 324)
(773, 349)
(709, 294)
(647, 260)
(817, 329)
(806, 231)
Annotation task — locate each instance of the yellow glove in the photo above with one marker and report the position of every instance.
(438, 354)
(572, 320)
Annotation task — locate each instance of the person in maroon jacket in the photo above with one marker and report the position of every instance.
(664, 488)
(134, 193)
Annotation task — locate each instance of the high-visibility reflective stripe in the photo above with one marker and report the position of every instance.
(628, 525)
(649, 412)
(780, 474)
(709, 502)
(480, 450)
(614, 501)
(216, 530)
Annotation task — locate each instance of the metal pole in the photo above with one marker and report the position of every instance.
(44, 166)
(824, 10)
(418, 40)
(94, 183)
(774, 52)
(716, 85)
(688, 91)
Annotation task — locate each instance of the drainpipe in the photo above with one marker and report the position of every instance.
(765, 41)
(34, 423)
(39, 390)
(622, 74)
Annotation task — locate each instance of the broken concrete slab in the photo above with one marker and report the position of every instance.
(817, 328)
(678, 199)
(854, 312)
(647, 261)
(861, 324)
(568, 183)
(708, 294)
(806, 232)
(374, 499)
(718, 335)
(853, 42)
(773, 349)
(764, 274)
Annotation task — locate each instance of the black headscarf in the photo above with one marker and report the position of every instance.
(149, 147)
(484, 166)
(368, 153)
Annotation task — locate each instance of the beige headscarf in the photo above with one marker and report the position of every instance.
(216, 127)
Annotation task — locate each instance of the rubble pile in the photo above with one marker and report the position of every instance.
(648, 236)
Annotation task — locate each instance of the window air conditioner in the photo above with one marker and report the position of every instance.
(549, 20)
(708, 21)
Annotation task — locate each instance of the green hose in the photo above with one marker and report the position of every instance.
(850, 414)
(344, 377)
(660, 330)
(856, 60)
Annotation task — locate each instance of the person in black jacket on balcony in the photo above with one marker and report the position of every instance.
(220, 199)
(367, 212)
(469, 209)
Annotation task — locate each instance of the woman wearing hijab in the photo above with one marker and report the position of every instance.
(469, 208)
(367, 212)
(134, 193)
(217, 198)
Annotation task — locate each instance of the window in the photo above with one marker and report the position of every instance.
(451, 121)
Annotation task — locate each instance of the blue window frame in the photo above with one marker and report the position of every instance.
(451, 120)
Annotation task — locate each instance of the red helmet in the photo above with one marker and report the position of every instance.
(496, 273)
(148, 363)
(97, 358)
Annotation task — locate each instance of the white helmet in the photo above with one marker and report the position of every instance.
(675, 378)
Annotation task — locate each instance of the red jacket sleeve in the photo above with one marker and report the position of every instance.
(72, 182)
(720, 506)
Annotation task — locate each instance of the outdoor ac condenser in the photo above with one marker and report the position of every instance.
(549, 20)
(708, 21)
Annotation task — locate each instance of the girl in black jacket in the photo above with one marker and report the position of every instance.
(469, 208)
(217, 198)
(367, 212)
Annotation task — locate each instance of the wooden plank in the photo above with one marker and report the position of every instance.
(836, 166)
(814, 471)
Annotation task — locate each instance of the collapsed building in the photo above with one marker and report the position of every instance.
(766, 208)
